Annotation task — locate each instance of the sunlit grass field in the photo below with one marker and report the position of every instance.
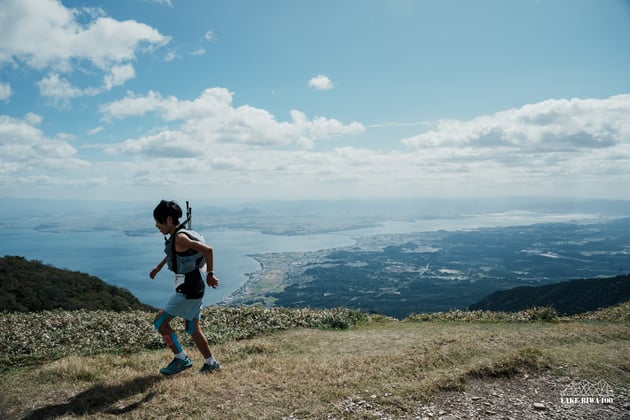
(282, 363)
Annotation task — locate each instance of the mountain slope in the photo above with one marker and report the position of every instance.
(33, 286)
(569, 297)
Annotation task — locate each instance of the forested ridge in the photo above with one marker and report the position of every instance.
(29, 285)
(567, 297)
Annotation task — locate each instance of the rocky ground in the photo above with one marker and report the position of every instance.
(504, 398)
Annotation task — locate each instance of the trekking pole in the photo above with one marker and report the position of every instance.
(189, 215)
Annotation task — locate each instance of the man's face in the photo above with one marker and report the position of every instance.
(166, 227)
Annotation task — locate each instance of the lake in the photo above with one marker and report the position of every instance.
(125, 261)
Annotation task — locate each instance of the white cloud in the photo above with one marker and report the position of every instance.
(55, 86)
(166, 143)
(211, 118)
(132, 106)
(399, 124)
(563, 146)
(119, 75)
(164, 2)
(34, 164)
(95, 130)
(321, 82)
(5, 91)
(45, 35)
(545, 127)
(33, 119)
(24, 149)
(242, 151)
(554, 147)
(60, 90)
(209, 36)
(170, 56)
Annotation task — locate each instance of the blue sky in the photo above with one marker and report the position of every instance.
(288, 99)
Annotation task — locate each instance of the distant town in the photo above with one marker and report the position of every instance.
(400, 274)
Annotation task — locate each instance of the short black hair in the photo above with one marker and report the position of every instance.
(165, 209)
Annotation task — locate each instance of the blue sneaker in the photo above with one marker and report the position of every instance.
(176, 366)
(207, 368)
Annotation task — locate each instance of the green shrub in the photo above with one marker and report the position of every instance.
(36, 336)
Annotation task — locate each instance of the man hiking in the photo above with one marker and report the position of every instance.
(189, 258)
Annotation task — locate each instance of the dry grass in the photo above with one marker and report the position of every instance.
(309, 373)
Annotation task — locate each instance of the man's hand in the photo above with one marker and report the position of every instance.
(154, 272)
(212, 281)
(157, 268)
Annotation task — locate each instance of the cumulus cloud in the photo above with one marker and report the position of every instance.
(56, 86)
(321, 82)
(212, 118)
(133, 106)
(545, 148)
(119, 75)
(45, 35)
(573, 147)
(59, 90)
(26, 150)
(562, 145)
(548, 126)
(42, 165)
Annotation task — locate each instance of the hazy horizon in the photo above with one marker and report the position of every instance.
(318, 210)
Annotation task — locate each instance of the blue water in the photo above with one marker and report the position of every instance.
(126, 261)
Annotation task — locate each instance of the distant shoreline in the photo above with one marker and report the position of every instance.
(437, 270)
(252, 278)
(271, 276)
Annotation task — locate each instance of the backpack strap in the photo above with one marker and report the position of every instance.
(179, 228)
(173, 252)
(187, 222)
(173, 256)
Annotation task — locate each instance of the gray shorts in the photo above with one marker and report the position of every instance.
(189, 309)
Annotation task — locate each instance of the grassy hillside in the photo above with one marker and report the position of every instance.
(281, 363)
(33, 286)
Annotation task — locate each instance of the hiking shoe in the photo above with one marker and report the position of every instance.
(176, 366)
(207, 368)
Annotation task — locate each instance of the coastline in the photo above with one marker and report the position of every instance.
(259, 283)
(238, 295)
(275, 270)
